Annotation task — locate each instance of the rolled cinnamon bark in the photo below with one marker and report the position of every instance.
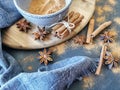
(90, 31)
(66, 18)
(71, 20)
(64, 34)
(104, 48)
(100, 28)
(55, 28)
(69, 15)
(76, 22)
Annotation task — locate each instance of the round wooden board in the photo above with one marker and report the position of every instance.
(13, 38)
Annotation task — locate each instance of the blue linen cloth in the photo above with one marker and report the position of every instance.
(9, 67)
(56, 76)
(8, 13)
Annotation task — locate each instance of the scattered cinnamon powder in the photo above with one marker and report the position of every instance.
(44, 7)
(72, 44)
(88, 82)
(90, 46)
(98, 0)
(115, 49)
(117, 20)
(29, 67)
(107, 8)
(28, 59)
(59, 49)
(99, 10)
(100, 19)
(112, 2)
(113, 31)
(116, 70)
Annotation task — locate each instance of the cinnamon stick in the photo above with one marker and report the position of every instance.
(100, 28)
(55, 28)
(72, 19)
(90, 31)
(76, 22)
(69, 15)
(64, 34)
(104, 48)
(59, 25)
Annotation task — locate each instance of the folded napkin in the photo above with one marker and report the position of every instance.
(56, 76)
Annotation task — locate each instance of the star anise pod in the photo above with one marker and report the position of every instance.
(23, 25)
(111, 61)
(107, 37)
(108, 58)
(80, 40)
(40, 34)
(45, 56)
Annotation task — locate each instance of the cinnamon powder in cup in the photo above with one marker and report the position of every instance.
(43, 7)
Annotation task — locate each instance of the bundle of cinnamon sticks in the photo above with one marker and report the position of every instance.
(61, 31)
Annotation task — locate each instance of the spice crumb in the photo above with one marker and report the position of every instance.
(30, 67)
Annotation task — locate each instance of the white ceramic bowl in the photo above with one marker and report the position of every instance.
(41, 20)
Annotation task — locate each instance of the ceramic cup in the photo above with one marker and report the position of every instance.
(41, 20)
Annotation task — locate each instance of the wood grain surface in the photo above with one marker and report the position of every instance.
(15, 39)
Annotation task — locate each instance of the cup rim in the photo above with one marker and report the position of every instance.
(37, 15)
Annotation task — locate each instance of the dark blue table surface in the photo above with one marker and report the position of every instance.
(109, 79)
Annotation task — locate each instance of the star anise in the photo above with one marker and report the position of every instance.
(23, 25)
(40, 34)
(111, 61)
(107, 37)
(45, 56)
(80, 40)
